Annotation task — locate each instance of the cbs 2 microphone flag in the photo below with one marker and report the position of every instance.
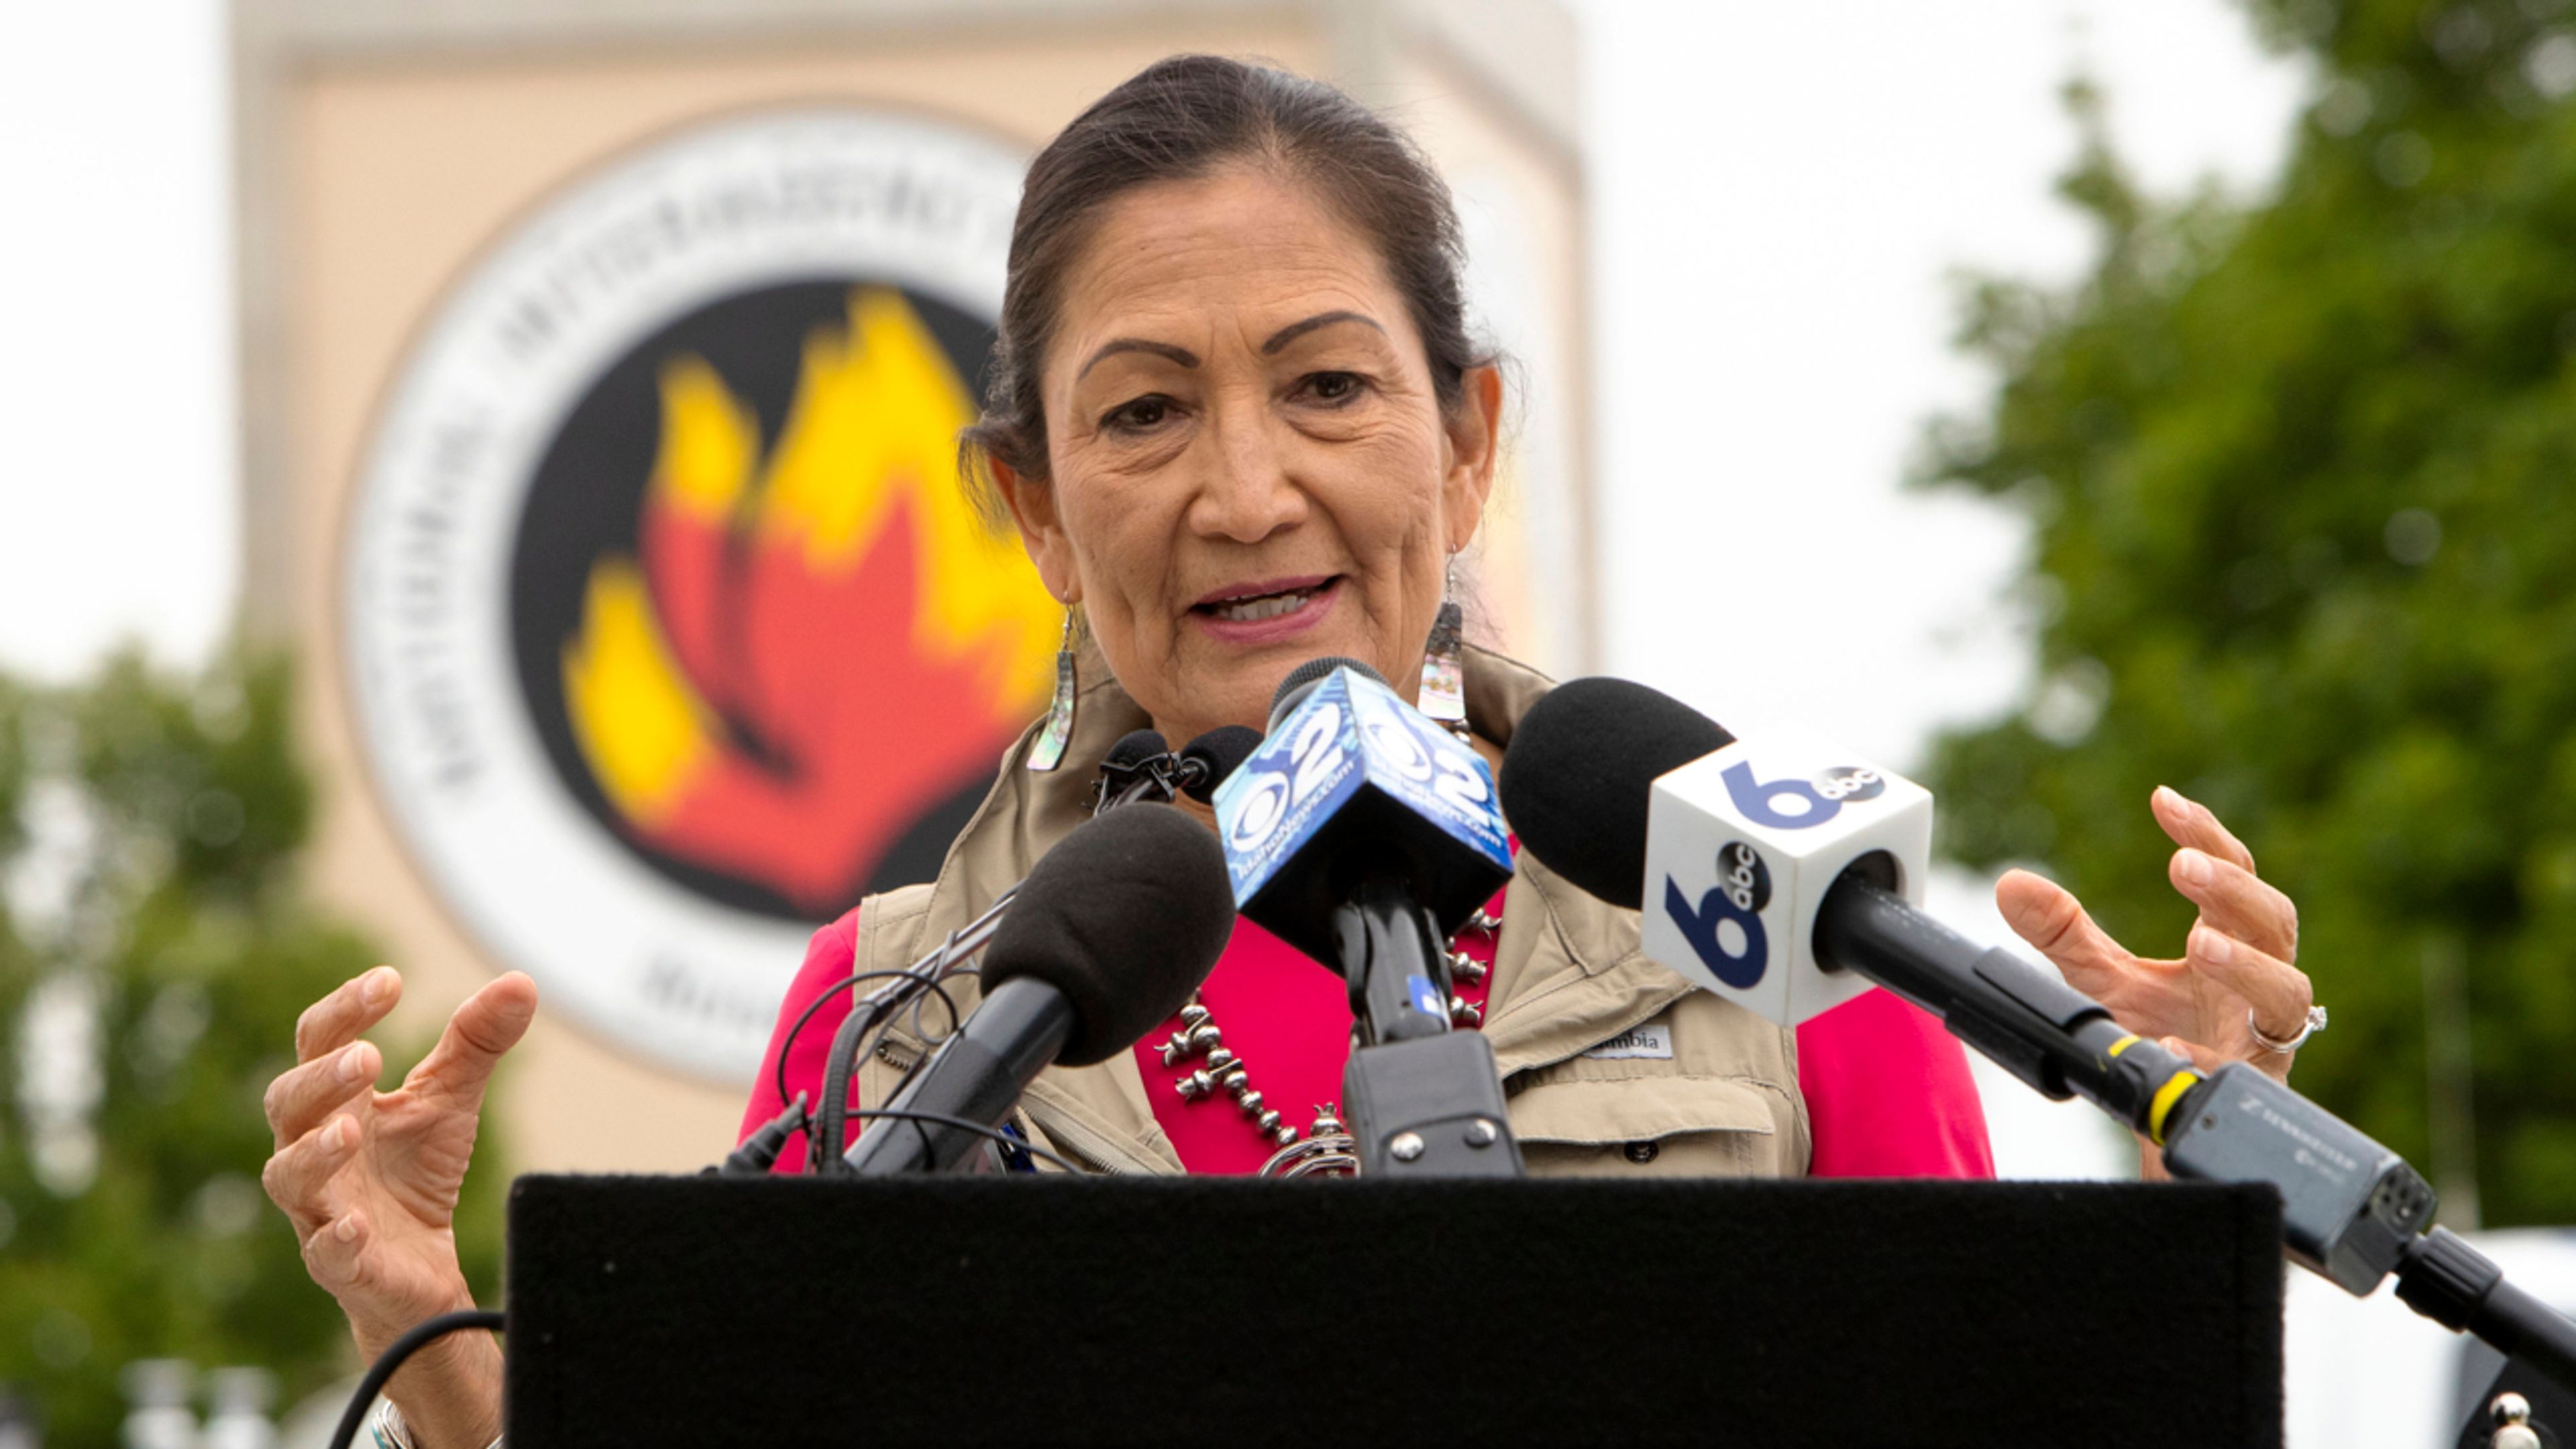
(1352, 734)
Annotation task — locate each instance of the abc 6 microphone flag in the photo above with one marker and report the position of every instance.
(1743, 844)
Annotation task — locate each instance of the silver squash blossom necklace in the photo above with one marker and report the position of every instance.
(1324, 1148)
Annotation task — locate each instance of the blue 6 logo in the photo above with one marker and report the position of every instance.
(1731, 908)
(1787, 804)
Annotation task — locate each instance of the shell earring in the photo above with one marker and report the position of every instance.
(1057, 732)
(1444, 672)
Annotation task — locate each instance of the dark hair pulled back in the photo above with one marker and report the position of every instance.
(1183, 118)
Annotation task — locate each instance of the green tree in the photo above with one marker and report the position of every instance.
(2302, 474)
(154, 955)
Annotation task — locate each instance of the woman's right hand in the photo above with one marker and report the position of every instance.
(370, 1179)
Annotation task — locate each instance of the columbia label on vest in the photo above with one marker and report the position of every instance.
(1652, 1042)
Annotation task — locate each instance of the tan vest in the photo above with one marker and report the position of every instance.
(1704, 1089)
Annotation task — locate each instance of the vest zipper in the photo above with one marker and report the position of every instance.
(1070, 1135)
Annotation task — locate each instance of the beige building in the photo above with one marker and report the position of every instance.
(601, 361)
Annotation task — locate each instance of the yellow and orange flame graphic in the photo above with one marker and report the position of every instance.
(814, 647)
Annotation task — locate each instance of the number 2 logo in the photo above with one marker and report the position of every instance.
(1312, 749)
(1459, 782)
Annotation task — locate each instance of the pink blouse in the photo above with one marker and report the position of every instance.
(1888, 1091)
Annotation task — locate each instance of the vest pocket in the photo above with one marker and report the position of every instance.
(1660, 1126)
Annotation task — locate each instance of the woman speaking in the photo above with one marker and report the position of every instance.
(1238, 420)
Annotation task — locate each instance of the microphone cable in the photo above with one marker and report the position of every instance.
(928, 985)
(825, 1144)
(381, 1372)
(1005, 1139)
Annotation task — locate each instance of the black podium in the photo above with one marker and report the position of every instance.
(1227, 1313)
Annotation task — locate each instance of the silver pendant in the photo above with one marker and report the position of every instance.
(1189, 1042)
(1329, 1149)
(1444, 677)
(1047, 751)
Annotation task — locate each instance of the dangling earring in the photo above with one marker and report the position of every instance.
(1057, 732)
(1444, 676)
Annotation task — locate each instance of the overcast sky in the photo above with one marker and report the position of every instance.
(1780, 204)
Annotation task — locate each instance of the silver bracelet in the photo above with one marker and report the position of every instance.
(391, 1432)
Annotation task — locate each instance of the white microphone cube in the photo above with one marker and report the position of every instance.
(1741, 847)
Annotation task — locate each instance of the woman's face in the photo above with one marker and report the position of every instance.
(1250, 466)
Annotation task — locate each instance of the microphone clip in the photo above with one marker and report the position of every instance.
(1153, 780)
(1430, 1107)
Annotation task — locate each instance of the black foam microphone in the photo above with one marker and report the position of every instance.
(1134, 748)
(1135, 769)
(1303, 680)
(1139, 769)
(1580, 771)
(1212, 758)
(1110, 933)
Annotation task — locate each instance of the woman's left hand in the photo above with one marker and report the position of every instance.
(2236, 961)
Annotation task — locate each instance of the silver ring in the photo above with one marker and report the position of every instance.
(2315, 1023)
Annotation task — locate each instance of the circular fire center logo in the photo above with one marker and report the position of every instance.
(670, 630)
(764, 640)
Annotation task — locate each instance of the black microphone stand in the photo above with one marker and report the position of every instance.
(2460, 1288)
(1018, 1029)
(1154, 780)
(1424, 1100)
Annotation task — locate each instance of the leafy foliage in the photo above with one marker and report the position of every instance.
(2303, 480)
(148, 833)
